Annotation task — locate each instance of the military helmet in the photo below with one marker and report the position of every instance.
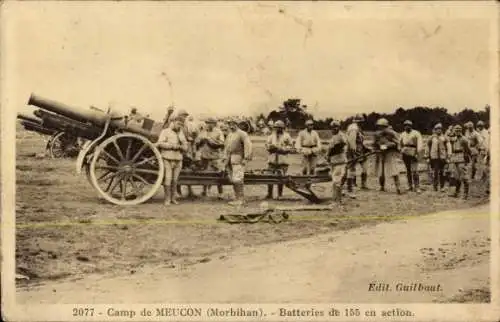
(279, 124)
(408, 122)
(382, 122)
(457, 127)
(309, 122)
(358, 118)
(480, 123)
(438, 126)
(182, 113)
(210, 120)
(270, 123)
(335, 123)
(469, 125)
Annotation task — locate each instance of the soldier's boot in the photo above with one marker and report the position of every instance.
(350, 182)
(466, 190)
(435, 181)
(238, 193)
(458, 185)
(280, 191)
(397, 184)
(381, 181)
(453, 183)
(364, 177)
(442, 182)
(167, 197)
(354, 181)
(473, 172)
(220, 190)
(179, 190)
(410, 179)
(416, 181)
(190, 192)
(269, 191)
(173, 197)
(205, 191)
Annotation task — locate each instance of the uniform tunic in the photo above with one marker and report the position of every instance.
(211, 156)
(237, 148)
(386, 161)
(438, 147)
(411, 143)
(338, 156)
(282, 141)
(460, 158)
(171, 145)
(355, 147)
(309, 145)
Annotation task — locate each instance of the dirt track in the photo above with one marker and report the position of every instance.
(107, 241)
(450, 249)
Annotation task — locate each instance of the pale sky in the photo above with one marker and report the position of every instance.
(243, 58)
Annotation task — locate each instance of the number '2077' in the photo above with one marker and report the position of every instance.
(83, 311)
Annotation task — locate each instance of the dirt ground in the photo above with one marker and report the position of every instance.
(66, 232)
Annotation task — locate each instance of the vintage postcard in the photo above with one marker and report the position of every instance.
(244, 161)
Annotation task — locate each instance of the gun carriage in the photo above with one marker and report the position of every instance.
(124, 166)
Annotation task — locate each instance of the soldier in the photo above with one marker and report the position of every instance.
(438, 152)
(172, 144)
(210, 143)
(459, 162)
(309, 145)
(474, 144)
(135, 116)
(484, 148)
(278, 144)
(355, 148)
(237, 152)
(411, 148)
(386, 141)
(337, 158)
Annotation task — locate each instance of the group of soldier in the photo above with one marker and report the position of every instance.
(455, 155)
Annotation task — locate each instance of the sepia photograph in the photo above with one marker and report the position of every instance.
(250, 156)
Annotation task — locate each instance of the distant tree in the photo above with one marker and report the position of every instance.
(291, 112)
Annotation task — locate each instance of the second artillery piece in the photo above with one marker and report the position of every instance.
(124, 166)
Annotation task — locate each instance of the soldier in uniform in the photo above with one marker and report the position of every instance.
(474, 144)
(210, 143)
(337, 158)
(411, 148)
(438, 152)
(355, 148)
(278, 144)
(172, 144)
(309, 145)
(237, 152)
(459, 162)
(484, 149)
(386, 142)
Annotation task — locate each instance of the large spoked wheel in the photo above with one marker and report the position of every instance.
(63, 145)
(126, 169)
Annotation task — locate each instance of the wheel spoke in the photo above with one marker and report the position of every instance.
(113, 174)
(123, 188)
(140, 178)
(118, 150)
(127, 152)
(110, 156)
(113, 187)
(145, 160)
(138, 153)
(107, 167)
(140, 170)
(110, 182)
(134, 186)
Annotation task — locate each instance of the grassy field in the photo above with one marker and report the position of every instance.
(106, 239)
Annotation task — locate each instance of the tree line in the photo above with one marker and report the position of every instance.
(424, 118)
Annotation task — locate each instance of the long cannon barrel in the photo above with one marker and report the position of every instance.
(36, 127)
(28, 118)
(78, 114)
(93, 116)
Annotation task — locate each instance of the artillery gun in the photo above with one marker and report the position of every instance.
(124, 166)
(33, 124)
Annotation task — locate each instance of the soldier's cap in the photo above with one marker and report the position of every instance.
(279, 124)
(309, 122)
(335, 123)
(408, 122)
(179, 119)
(232, 121)
(358, 118)
(469, 124)
(270, 123)
(210, 120)
(383, 122)
(438, 126)
(480, 123)
(183, 113)
(457, 127)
